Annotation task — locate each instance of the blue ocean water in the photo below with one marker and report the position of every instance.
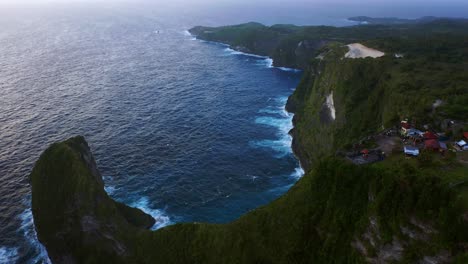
(184, 129)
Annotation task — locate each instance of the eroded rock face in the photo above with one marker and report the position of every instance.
(74, 217)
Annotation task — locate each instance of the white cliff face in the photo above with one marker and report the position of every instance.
(331, 105)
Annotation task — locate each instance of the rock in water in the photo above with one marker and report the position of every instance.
(74, 217)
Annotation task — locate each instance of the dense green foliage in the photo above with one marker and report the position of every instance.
(374, 94)
(282, 42)
(316, 221)
(74, 217)
(338, 212)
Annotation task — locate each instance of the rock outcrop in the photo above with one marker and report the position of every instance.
(74, 217)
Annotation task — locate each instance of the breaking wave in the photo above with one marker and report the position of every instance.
(29, 232)
(188, 34)
(276, 116)
(8, 254)
(162, 220)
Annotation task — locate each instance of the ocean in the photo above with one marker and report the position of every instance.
(186, 130)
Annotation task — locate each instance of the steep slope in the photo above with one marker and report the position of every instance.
(399, 210)
(337, 213)
(294, 46)
(371, 95)
(74, 217)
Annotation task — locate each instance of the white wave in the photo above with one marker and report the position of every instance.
(298, 173)
(236, 52)
(281, 189)
(270, 111)
(282, 121)
(282, 147)
(213, 42)
(188, 34)
(162, 220)
(268, 61)
(29, 232)
(272, 121)
(110, 190)
(288, 69)
(8, 254)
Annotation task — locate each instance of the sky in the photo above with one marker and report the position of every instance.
(299, 12)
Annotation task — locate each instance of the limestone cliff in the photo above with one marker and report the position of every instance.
(72, 212)
(396, 211)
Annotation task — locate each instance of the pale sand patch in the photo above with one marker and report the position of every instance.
(357, 50)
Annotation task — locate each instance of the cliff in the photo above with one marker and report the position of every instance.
(398, 210)
(295, 46)
(73, 214)
(337, 212)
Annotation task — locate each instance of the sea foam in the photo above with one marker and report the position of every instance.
(263, 60)
(276, 116)
(162, 220)
(298, 173)
(267, 61)
(188, 34)
(8, 254)
(288, 69)
(29, 232)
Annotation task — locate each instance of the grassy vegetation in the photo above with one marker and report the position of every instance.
(316, 221)
(74, 217)
(281, 41)
(332, 208)
(373, 94)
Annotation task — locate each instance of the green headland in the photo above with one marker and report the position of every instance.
(366, 93)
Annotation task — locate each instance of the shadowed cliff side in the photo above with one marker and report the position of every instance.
(337, 213)
(74, 217)
(395, 211)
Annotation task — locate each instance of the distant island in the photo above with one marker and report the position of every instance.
(380, 127)
(394, 20)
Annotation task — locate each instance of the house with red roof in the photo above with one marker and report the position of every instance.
(432, 144)
(429, 135)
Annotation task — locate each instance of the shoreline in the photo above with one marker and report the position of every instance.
(295, 147)
(234, 49)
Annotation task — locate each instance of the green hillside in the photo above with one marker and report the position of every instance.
(399, 210)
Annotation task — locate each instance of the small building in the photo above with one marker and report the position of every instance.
(411, 151)
(432, 144)
(412, 132)
(404, 127)
(462, 145)
(443, 146)
(365, 153)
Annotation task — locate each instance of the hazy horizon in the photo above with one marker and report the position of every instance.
(210, 12)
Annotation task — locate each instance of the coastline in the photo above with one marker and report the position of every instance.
(295, 147)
